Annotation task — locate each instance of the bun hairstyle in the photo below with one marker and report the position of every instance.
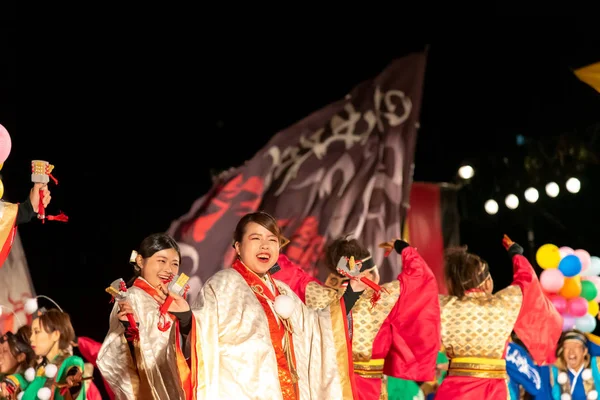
(464, 271)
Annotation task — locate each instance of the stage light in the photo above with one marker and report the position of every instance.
(552, 189)
(573, 185)
(466, 172)
(532, 195)
(511, 201)
(491, 207)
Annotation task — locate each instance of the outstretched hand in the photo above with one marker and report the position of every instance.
(396, 244)
(512, 247)
(387, 246)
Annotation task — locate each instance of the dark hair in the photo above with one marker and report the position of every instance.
(153, 244)
(464, 271)
(56, 320)
(18, 343)
(263, 219)
(344, 246)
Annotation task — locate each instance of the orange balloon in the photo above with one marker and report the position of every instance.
(571, 287)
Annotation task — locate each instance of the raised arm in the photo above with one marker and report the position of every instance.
(538, 325)
(415, 320)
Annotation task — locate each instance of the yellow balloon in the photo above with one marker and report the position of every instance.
(571, 287)
(1, 165)
(593, 308)
(548, 256)
(1, 189)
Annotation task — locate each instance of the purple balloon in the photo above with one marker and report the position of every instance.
(568, 322)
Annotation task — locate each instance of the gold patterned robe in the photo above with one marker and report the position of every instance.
(8, 229)
(398, 336)
(156, 375)
(477, 327)
(235, 358)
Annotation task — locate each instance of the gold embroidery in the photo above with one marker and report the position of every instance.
(479, 325)
(319, 297)
(369, 369)
(367, 320)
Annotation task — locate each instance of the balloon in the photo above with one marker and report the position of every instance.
(577, 307)
(548, 256)
(593, 308)
(5, 144)
(571, 288)
(584, 257)
(565, 251)
(552, 280)
(1, 189)
(588, 290)
(568, 322)
(559, 302)
(570, 265)
(587, 323)
(594, 268)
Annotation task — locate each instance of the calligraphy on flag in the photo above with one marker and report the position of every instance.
(344, 169)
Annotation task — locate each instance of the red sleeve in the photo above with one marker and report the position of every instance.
(294, 276)
(414, 322)
(538, 325)
(89, 349)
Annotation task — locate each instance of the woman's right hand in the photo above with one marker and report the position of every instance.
(124, 309)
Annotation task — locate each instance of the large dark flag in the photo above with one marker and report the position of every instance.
(345, 169)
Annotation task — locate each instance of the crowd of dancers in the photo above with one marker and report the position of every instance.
(265, 329)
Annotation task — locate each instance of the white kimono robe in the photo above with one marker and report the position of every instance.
(156, 373)
(233, 355)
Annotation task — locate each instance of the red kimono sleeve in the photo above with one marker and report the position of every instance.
(415, 322)
(538, 325)
(294, 276)
(89, 349)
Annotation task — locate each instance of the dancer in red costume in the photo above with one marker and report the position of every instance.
(398, 335)
(476, 324)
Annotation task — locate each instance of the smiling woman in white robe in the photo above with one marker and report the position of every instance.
(253, 338)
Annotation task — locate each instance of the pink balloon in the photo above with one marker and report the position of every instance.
(565, 251)
(5, 144)
(559, 302)
(568, 323)
(578, 307)
(552, 280)
(584, 257)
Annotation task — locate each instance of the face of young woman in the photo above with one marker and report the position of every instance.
(259, 248)
(41, 341)
(160, 267)
(8, 363)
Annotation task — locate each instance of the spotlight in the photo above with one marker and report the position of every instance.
(573, 185)
(466, 172)
(511, 201)
(491, 207)
(532, 195)
(552, 189)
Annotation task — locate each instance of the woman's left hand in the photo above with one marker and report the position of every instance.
(178, 305)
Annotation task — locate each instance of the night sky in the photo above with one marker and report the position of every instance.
(135, 133)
